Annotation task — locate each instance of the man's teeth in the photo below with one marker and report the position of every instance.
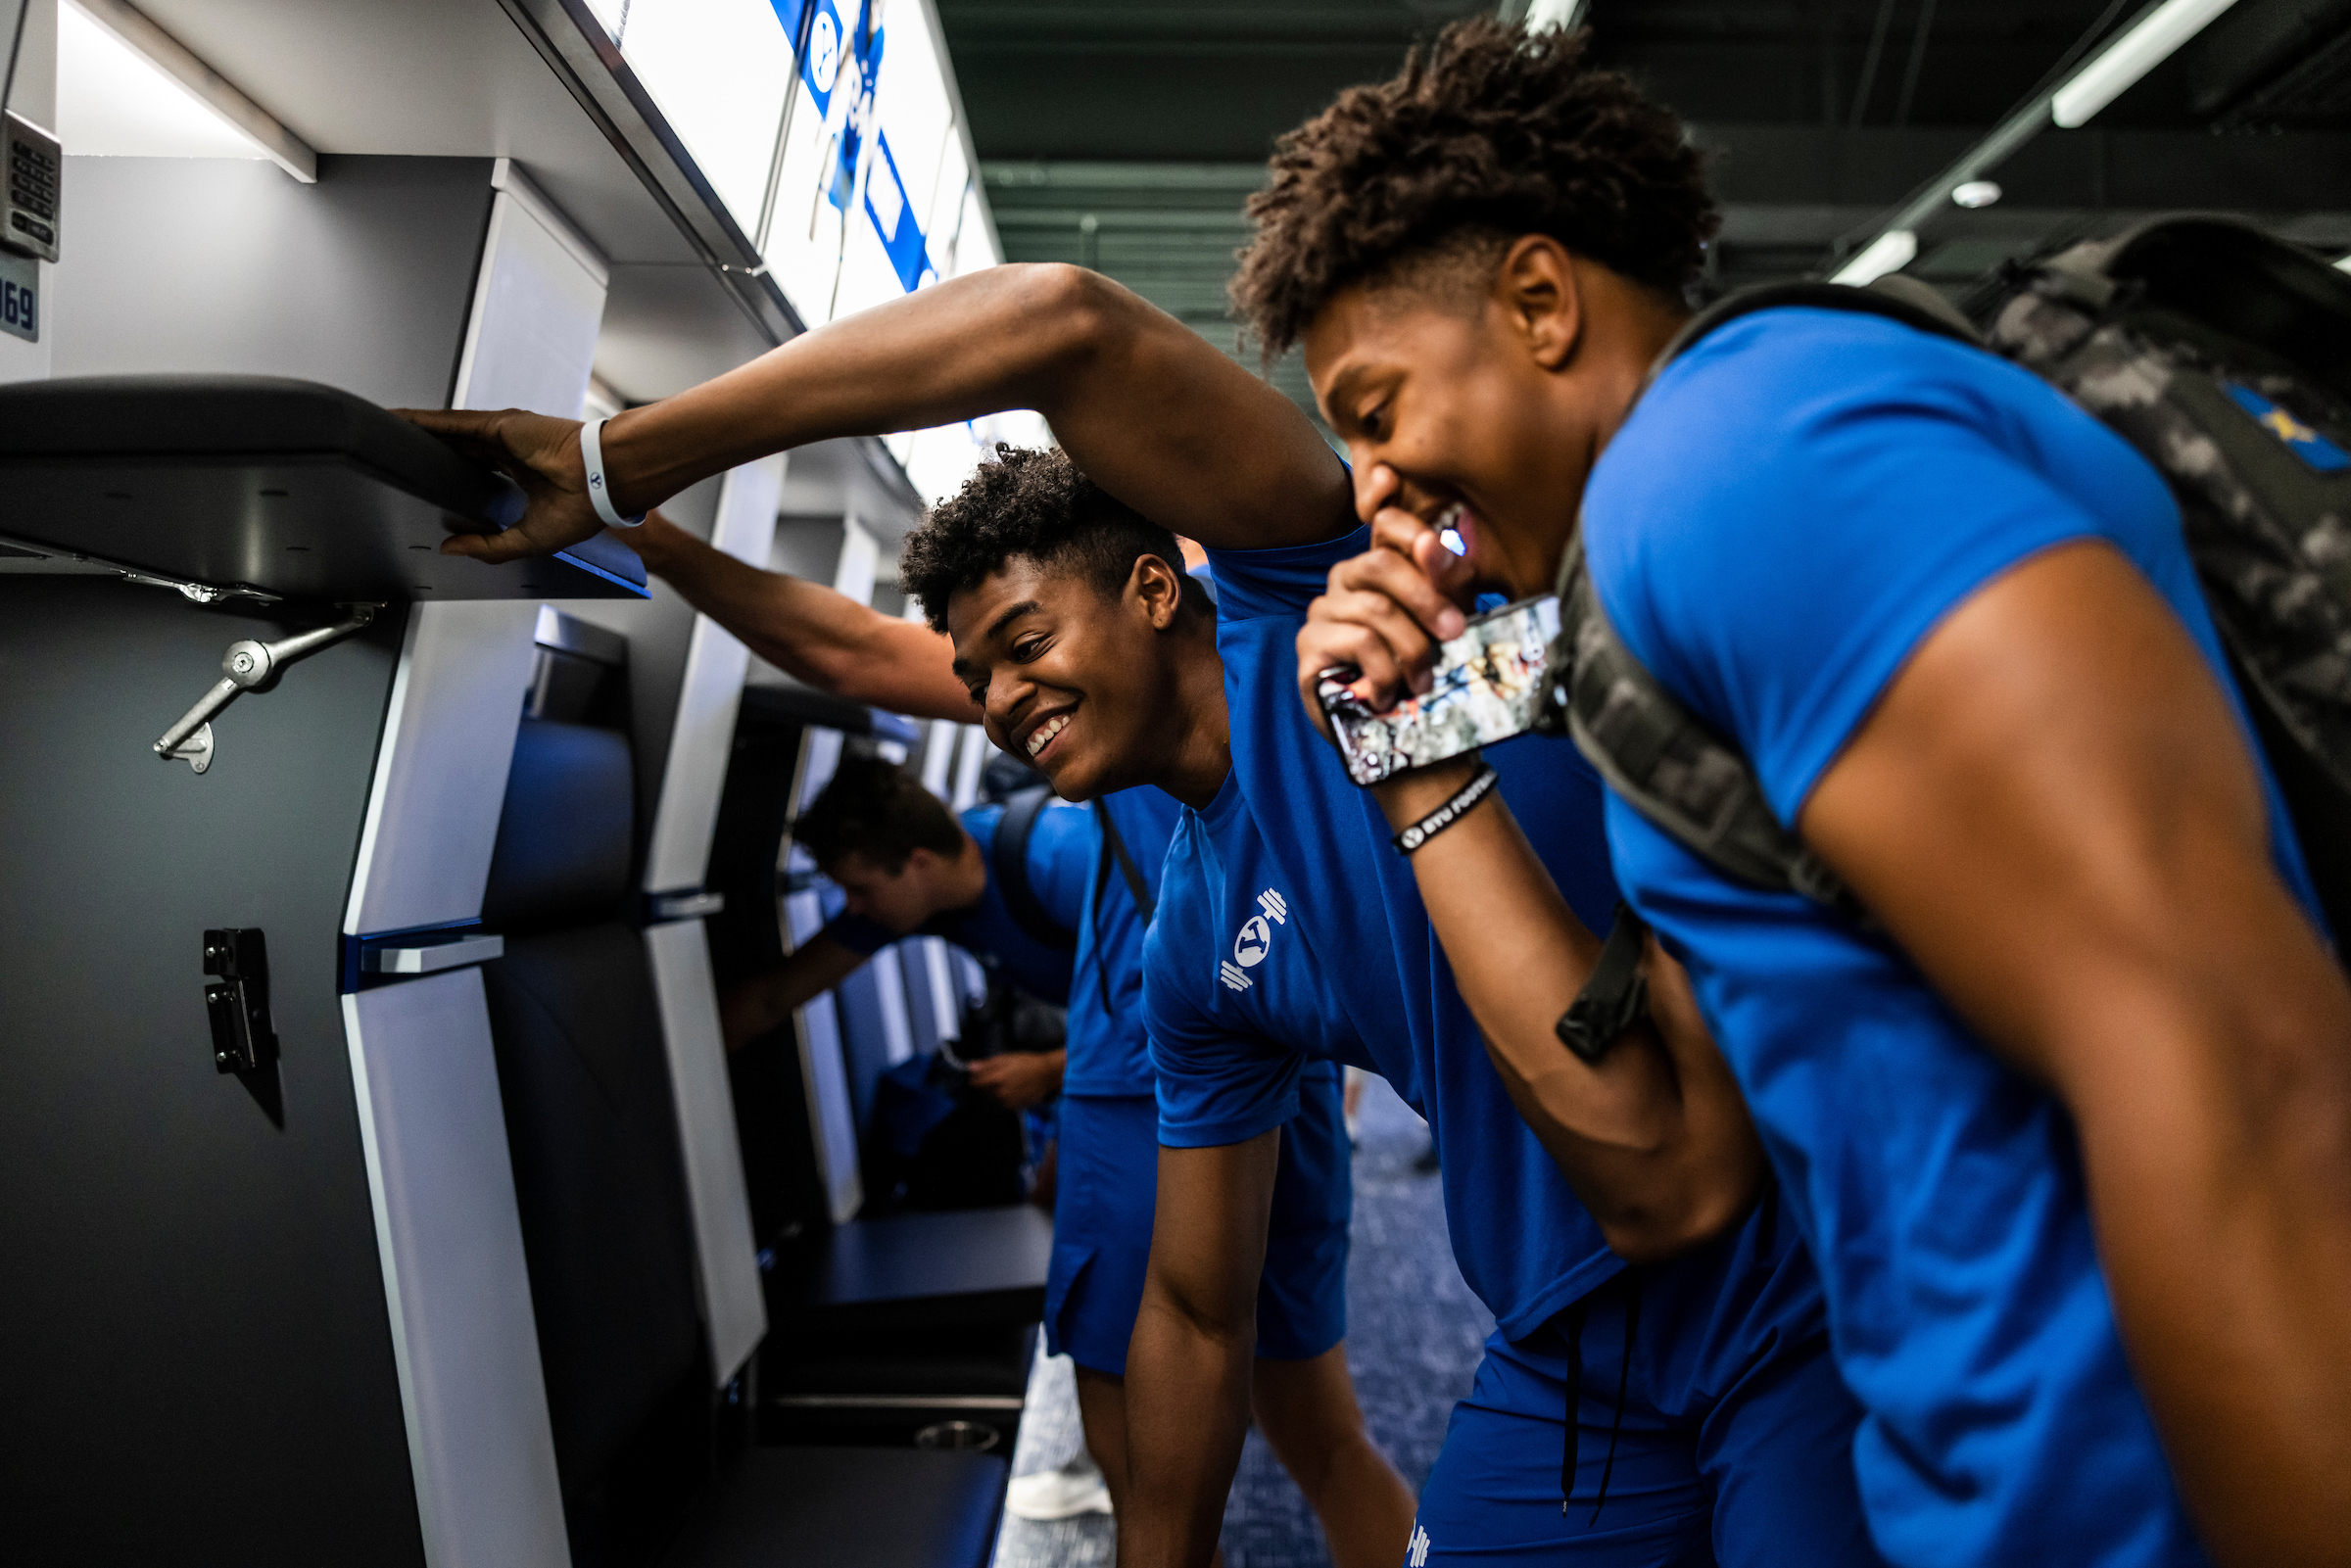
(1046, 730)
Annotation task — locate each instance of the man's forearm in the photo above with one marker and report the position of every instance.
(1656, 1138)
(1187, 1411)
(822, 638)
(757, 1004)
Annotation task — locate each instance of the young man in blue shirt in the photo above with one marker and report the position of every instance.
(907, 864)
(2082, 1109)
(1656, 1417)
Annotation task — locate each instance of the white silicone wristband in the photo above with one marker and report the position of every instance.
(592, 453)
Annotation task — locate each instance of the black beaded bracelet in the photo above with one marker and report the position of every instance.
(1445, 816)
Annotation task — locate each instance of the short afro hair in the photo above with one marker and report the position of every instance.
(1036, 504)
(878, 810)
(1490, 130)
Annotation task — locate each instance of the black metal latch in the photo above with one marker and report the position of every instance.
(238, 1001)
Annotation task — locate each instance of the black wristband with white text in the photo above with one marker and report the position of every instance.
(1481, 784)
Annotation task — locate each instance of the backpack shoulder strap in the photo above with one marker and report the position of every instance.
(1117, 850)
(1664, 760)
(1113, 852)
(1668, 763)
(1010, 862)
(1896, 298)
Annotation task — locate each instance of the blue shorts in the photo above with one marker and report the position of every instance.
(1106, 1188)
(1733, 1445)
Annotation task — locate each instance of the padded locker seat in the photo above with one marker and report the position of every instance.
(601, 1189)
(954, 1365)
(886, 1507)
(920, 1270)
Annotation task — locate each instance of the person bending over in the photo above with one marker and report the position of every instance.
(1686, 1407)
(908, 866)
(2070, 1135)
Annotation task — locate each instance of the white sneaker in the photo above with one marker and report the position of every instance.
(1076, 1488)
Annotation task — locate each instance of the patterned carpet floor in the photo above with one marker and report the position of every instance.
(1414, 1336)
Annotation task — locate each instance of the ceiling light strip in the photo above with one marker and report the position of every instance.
(216, 91)
(2152, 37)
(1889, 252)
(2148, 43)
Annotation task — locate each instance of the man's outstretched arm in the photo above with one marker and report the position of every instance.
(825, 638)
(757, 1004)
(1147, 408)
(2055, 811)
(1188, 1365)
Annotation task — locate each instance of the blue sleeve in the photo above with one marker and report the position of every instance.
(1254, 582)
(1215, 1086)
(1062, 846)
(858, 934)
(1795, 505)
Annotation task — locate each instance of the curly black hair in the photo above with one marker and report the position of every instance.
(1032, 503)
(876, 809)
(1491, 130)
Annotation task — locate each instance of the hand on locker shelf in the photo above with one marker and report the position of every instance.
(539, 452)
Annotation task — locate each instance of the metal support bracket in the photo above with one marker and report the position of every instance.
(250, 666)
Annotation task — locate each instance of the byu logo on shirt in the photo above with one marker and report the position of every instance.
(1256, 939)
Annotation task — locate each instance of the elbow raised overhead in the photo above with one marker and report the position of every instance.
(1073, 310)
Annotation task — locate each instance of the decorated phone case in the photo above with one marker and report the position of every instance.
(1489, 686)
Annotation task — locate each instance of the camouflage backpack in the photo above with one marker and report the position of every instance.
(2223, 356)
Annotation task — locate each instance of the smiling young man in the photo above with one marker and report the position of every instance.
(1664, 1414)
(2083, 1107)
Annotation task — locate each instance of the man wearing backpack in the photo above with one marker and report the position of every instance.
(2060, 1085)
(1060, 897)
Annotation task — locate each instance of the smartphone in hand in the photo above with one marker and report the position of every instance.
(1489, 686)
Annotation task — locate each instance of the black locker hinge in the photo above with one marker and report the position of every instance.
(238, 1000)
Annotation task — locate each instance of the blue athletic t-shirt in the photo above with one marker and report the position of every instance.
(1792, 507)
(1289, 928)
(1101, 982)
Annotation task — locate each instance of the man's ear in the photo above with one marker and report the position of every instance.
(1159, 588)
(1536, 287)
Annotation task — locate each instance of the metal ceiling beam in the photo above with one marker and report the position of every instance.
(2149, 37)
(584, 57)
(1777, 167)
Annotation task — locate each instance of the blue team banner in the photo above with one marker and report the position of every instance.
(828, 45)
(887, 205)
